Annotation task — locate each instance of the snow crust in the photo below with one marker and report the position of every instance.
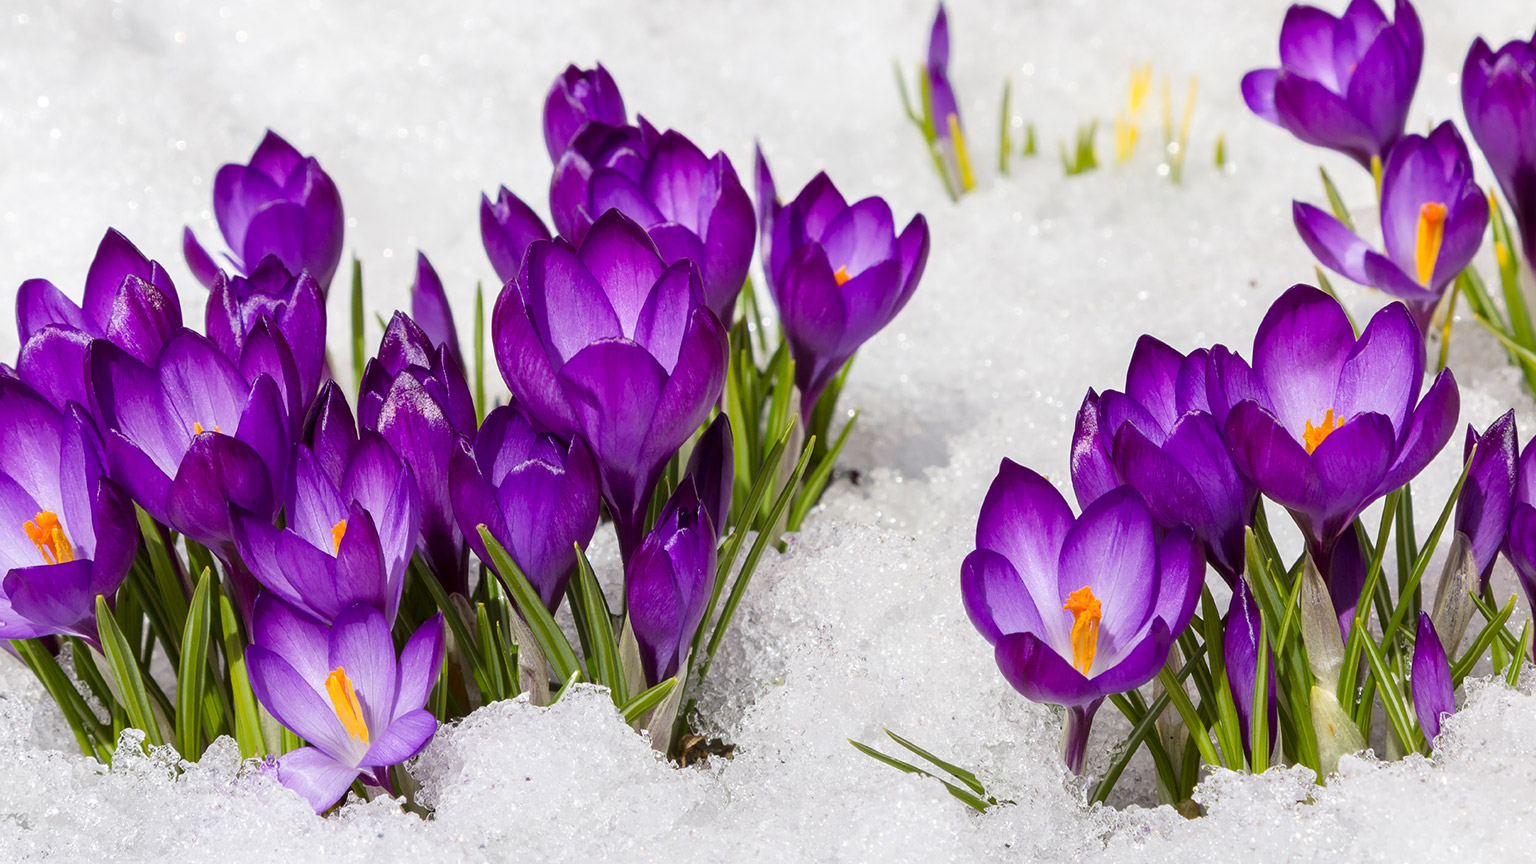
(1037, 287)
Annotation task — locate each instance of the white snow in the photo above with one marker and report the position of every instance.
(118, 115)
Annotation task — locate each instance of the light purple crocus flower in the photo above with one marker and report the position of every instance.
(579, 100)
(1077, 609)
(1488, 496)
(1324, 423)
(1498, 96)
(239, 308)
(507, 228)
(1343, 83)
(281, 204)
(1159, 437)
(343, 691)
(839, 273)
(67, 532)
(1434, 691)
(430, 309)
(1432, 219)
(607, 342)
(538, 496)
(669, 582)
(129, 301)
(1240, 643)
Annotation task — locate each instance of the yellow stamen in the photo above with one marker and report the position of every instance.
(344, 700)
(1085, 627)
(1431, 231)
(1312, 436)
(197, 428)
(47, 535)
(338, 531)
(841, 275)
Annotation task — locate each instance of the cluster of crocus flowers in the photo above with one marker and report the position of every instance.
(1498, 96)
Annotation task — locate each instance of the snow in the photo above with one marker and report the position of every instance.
(1037, 287)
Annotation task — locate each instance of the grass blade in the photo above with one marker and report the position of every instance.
(192, 675)
(603, 661)
(358, 353)
(959, 773)
(635, 709)
(247, 721)
(556, 647)
(907, 768)
(125, 668)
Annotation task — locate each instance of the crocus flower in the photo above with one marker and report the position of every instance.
(599, 146)
(1077, 609)
(669, 582)
(1240, 642)
(67, 532)
(1159, 437)
(430, 309)
(712, 465)
(1432, 218)
(342, 690)
(580, 98)
(1488, 495)
(1520, 542)
(1346, 578)
(281, 204)
(1344, 83)
(129, 300)
(507, 228)
(415, 396)
(606, 341)
(1324, 423)
(838, 273)
(294, 305)
(537, 495)
(1434, 693)
(1498, 96)
(942, 110)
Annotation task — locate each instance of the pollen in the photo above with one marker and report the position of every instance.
(1431, 232)
(1312, 436)
(197, 428)
(338, 531)
(344, 700)
(47, 535)
(1085, 627)
(841, 275)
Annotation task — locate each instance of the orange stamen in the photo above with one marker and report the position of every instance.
(1085, 627)
(47, 535)
(338, 531)
(1312, 436)
(1431, 232)
(197, 428)
(344, 700)
(841, 275)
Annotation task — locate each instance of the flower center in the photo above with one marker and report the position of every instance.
(841, 275)
(1312, 436)
(1431, 231)
(338, 531)
(1085, 627)
(197, 428)
(344, 700)
(47, 535)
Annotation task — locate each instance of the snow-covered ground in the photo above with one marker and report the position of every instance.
(117, 114)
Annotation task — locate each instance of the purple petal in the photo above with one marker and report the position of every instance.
(204, 268)
(420, 661)
(996, 599)
(1385, 368)
(1299, 352)
(405, 737)
(507, 229)
(1434, 694)
(1335, 246)
(318, 778)
(1041, 674)
(1259, 92)
(1093, 471)
(429, 306)
(1111, 549)
(1430, 427)
(39, 303)
(361, 644)
(1025, 519)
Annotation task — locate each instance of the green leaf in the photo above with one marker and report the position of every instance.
(957, 772)
(1410, 589)
(125, 669)
(1005, 140)
(192, 676)
(564, 688)
(1350, 671)
(461, 633)
(1335, 201)
(1463, 667)
(358, 352)
(1189, 715)
(485, 646)
(818, 479)
(906, 100)
(603, 661)
(1517, 660)
(962, 794)
(94, 739)
(247, 721)
(1390, 689)
(556, 647)
(635, 709)
(1258, 721)
(1142, 726)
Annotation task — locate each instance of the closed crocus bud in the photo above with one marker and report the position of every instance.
(669, 582)
(1241, 629)
(538, 496)
(599, 146)
(942, 110)
(768, 205)
(129, 301)
(430, 309)
(281, 203)
(293, 305)
(580, 97)
(342, 688)
(607, 342)
(1432, 219)
(1498, 96)
(1048, 591)
(67, 533)
(1346, 578)
(1344, 83)
(1520, 542)
(1488, 496)
(712, 465)
(330, 432)
(1434, 693)
(839, 273)
(1323, 422)
(507, 228)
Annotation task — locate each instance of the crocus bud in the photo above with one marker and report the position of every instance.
(669, 583)
(430, 309)
(1319, 630)
(1520, 543)
(1488, 495)
(580, 97)
(507, 228)
(712, 465)
(1434, 694)
(1498, 96)
(1240, 642)
(942, 110)
(295, 305)
(1337, 734)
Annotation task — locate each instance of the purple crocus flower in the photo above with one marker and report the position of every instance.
(1488, 496)
(1498, 96)
(414, 395)
(1520, 543)
(669, 581)
(942, 109)
(624, 148)
(507, 228)
(1240, 642)
(129, 301)
(1344, 83)
(341, 689)
(1159, 437)
(240, 309)
(578, 100)
(430, 309)
(1346, 578)
(537, 495)
(281, 204)
(1432, 218)
(1434, 693)
(1050, 591)
(712, 465)
(839, 273)
(1325, 423)
(606, 341)
(67, 532)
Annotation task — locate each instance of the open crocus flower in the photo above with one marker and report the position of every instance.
(1434, 690)
(343, 691)
(1077, 609)
(579, 99)
(1159, 437)
(414, 394)
(1498, 96)
(1344, 83)
(281, 204)
(507, 228)
(1432, 220)
(430, 309)
(839, 273)
(669, 581)
(608, 342)
(537, 495)
(1488, 496)
(1325, 423)
(294, 305)
(129, 301)
(67, 533)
